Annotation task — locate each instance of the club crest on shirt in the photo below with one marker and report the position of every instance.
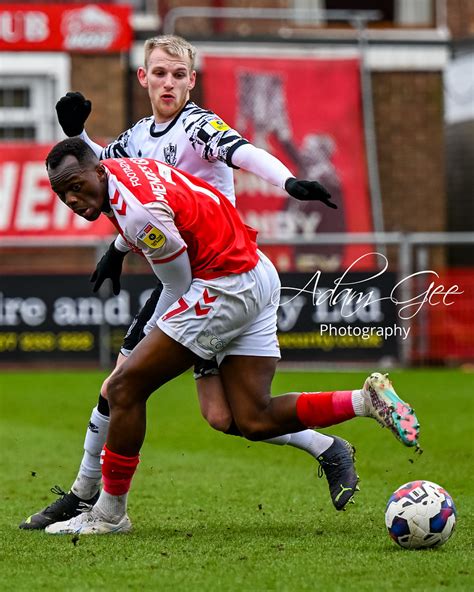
(152, 237)
(171, 154)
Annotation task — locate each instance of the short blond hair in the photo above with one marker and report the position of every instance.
(173, 45)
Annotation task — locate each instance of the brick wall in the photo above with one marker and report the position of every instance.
(102, 79)
(408, 110)
(460, 18)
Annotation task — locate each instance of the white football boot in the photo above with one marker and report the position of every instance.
(90, 522)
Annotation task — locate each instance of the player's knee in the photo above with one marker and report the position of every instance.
(218, 419)
(119, 390)
(253, 429)
(104, 388)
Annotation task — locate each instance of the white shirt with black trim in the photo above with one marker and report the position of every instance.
(196, 140)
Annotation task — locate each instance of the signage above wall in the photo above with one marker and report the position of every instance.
(81, 28)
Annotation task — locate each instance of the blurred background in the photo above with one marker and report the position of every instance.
(375, 99)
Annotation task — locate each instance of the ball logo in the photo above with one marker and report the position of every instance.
(89, 28)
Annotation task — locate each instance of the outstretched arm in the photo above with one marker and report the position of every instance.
(265, 165)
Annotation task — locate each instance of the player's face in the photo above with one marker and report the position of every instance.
(168, 80)
(83, 188)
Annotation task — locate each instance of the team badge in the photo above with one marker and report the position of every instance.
(171, 154)
(219, 125)
(152, 237)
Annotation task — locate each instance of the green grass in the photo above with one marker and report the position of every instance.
(213, 512)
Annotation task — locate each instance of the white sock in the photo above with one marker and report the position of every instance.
(87, 482)
(111, 507)
(358, 403)
(312, 442)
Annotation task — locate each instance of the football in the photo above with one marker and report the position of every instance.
(420, 514)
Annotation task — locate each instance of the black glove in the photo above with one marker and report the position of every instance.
(73, 109)
(309, 191)
(110, 266)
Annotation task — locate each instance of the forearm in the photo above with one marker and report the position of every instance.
(121, 244)
(261, 163)
(95, 147)
(176, 277)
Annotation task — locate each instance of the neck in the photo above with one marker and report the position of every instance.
(106, 205)
(160, 119)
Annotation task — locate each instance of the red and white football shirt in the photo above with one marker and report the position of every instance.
(164, 211)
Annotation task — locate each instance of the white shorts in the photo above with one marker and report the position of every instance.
(232, 315)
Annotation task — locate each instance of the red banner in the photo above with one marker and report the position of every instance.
(29, 208)
(65, 27)
(307, 112)
(444, 333)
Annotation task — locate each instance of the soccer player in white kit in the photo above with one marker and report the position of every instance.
(182, 134)
(220, 299)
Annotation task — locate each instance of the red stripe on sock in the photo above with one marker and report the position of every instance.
(117, 471)
(342, 402)
(324, 409)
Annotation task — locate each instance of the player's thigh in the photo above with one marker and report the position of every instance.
(156, 360)
(247, 383)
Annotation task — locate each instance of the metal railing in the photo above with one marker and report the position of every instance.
(311, 15)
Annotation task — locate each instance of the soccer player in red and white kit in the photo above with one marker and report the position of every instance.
(196, 140)
(220, 298)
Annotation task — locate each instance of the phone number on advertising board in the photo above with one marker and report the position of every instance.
(46, 341)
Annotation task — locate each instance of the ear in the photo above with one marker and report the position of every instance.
(192, 80)
(142, 77)
(100, 169)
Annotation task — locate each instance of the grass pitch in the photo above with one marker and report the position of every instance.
(217, 513)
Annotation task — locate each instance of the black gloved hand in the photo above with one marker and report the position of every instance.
(73, 109)
(110, 266)
(309, 191)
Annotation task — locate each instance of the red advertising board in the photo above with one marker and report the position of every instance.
(29, 208)
(307, 112)
(444, 333)
(65, 27)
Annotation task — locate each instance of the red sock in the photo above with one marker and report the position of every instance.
(117, 471)
(324, 409)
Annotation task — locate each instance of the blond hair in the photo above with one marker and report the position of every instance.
(173, 45)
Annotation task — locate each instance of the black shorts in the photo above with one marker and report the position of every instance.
(135, 332)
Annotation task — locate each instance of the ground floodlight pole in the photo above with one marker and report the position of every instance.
(360, 25)
(104, 329)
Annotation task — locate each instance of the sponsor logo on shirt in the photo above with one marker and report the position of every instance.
(152, 237)
(219, 125)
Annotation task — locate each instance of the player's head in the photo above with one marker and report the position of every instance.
(174, 46)
(78, 178)
(168, 74)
